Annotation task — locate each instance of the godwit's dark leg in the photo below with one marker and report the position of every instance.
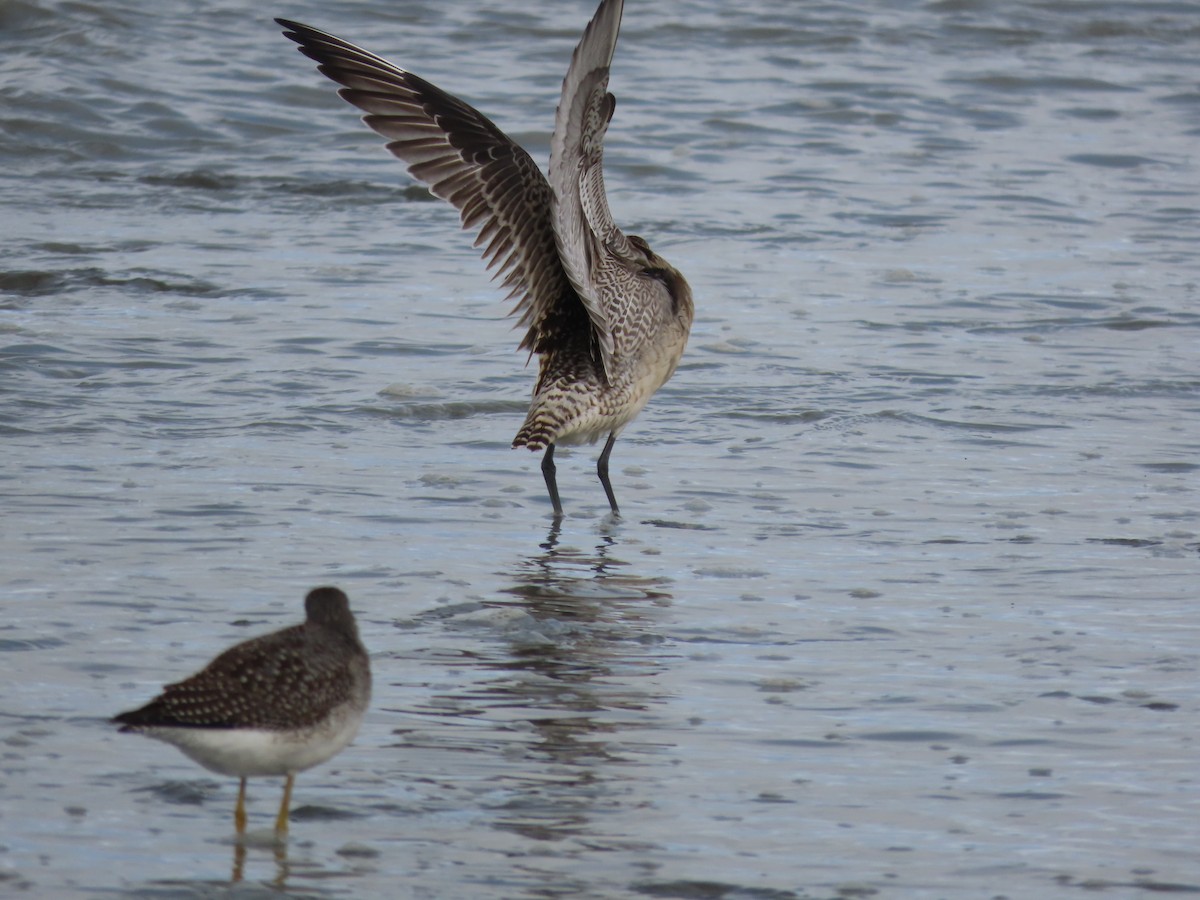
(551, 481)
(602, 471)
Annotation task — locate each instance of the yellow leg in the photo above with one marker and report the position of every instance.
(239, 812)
(281, 821)
(239, 861)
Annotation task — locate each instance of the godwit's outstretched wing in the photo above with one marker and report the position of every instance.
(467, 160)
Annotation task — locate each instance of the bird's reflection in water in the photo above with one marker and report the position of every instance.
(271, 842)
(562, 581)
(567, 704)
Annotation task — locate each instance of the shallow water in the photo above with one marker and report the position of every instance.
(902, 601)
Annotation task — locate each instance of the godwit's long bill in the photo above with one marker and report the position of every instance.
(607, 317)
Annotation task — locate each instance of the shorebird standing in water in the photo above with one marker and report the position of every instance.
(273, 705)
(607, 316)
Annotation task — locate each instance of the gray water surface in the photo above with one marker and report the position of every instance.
(902, 602)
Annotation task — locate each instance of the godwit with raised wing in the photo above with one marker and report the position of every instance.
(607, 316)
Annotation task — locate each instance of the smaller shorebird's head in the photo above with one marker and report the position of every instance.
(329, 607)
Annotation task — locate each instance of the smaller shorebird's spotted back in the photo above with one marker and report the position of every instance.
(607, 317)
(273, 705)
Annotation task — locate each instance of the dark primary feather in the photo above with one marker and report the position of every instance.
(465, 159)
